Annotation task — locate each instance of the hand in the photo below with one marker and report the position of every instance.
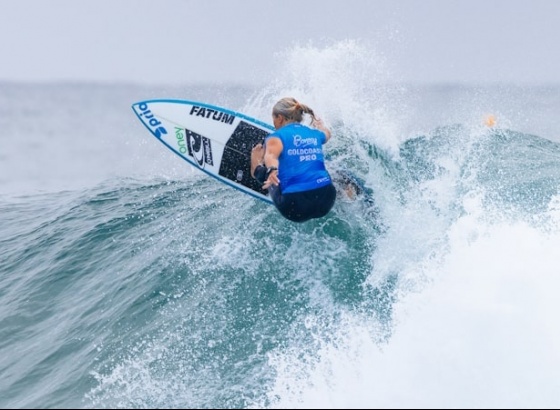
(318, 123)
(272, 180)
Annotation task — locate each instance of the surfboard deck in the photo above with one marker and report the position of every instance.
(217, 141)
(213, 139)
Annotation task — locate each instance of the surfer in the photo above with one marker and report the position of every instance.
(291, 163)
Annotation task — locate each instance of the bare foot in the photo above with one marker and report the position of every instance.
(257, 157)
(350, 191)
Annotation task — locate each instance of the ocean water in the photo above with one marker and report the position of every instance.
(130, 280)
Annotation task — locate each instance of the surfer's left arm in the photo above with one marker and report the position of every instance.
(273, 150)
(264, 162)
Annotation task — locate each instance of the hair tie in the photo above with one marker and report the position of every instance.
(297, 106)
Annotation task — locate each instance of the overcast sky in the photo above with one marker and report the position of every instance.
(224, 41)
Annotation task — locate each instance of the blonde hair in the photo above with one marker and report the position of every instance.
(293, 110)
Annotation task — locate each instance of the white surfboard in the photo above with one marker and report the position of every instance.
(213, 139)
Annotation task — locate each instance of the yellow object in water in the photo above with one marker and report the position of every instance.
(490, 120)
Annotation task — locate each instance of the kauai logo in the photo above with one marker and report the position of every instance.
(148, 117)
(195, 145)
(213, 114)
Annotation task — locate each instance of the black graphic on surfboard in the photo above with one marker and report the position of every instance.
(199, 148)
(236, 160)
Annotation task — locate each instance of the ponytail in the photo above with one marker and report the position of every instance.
(292, 109)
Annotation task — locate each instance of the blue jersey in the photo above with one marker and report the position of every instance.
(301, 163)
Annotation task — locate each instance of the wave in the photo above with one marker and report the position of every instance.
(437, 291)
(162, 270)
(156, 287)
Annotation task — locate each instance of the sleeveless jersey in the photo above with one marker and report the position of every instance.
(301, 163)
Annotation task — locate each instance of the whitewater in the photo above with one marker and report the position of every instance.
(129, 279)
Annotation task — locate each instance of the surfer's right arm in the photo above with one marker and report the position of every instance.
(318, 123)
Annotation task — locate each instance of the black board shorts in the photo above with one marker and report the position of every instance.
(306, 205)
